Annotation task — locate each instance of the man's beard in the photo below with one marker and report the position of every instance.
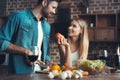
(45, 15)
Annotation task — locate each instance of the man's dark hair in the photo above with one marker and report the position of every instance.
(39, 1)
(56, 0)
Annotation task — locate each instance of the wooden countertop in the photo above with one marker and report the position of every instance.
(38, 76)
(113, 76)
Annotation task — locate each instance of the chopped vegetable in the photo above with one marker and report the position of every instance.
(92, 65)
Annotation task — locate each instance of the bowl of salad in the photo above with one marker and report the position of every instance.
(92, 66)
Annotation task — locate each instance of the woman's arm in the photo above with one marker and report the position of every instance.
(62, 53)
(68, 56)
(65, 52)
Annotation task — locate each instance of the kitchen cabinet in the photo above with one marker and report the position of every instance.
(102, 27)
(105, 34)
(91, 33)
(3, 70)
(118, 30)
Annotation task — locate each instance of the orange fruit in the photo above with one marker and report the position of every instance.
(55, 67)
(85, 73)
(73, 71)
(60, 71)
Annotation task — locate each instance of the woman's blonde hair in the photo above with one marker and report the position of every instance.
(83, 39)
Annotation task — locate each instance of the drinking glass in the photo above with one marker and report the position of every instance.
(34, 57)
(103, 55)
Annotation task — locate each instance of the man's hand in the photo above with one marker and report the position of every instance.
(39, 61)
(27, 53)
(47, 63)
(28, 61)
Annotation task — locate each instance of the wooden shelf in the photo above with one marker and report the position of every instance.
(106, 20)
(91, 33)
(104, 27)
(105, 34)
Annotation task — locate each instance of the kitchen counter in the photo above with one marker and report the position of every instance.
(3, 69)
(113, 76)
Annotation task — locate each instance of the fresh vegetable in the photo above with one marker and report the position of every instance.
(85, 73)
(78, 74)
(92, 65)
(65, 67)
(65, 72)
(59, 36)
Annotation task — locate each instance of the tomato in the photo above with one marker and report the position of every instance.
(59, 36)
(85, 73)
(66, 67)
(91, 70)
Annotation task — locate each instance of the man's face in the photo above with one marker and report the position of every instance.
(50, 9)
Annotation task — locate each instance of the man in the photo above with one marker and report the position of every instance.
(24, 29)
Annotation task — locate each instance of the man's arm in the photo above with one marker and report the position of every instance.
(17, 49)
(6, 33)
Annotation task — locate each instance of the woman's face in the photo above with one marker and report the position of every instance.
(74, 29)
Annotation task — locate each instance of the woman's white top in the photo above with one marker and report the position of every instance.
(39, 44)
(74, 57)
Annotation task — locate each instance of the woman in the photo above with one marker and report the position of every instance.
(75, 47)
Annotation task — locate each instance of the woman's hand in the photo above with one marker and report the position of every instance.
(63, 42)
(61, 39)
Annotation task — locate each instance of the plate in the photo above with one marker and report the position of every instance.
(42, 72)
